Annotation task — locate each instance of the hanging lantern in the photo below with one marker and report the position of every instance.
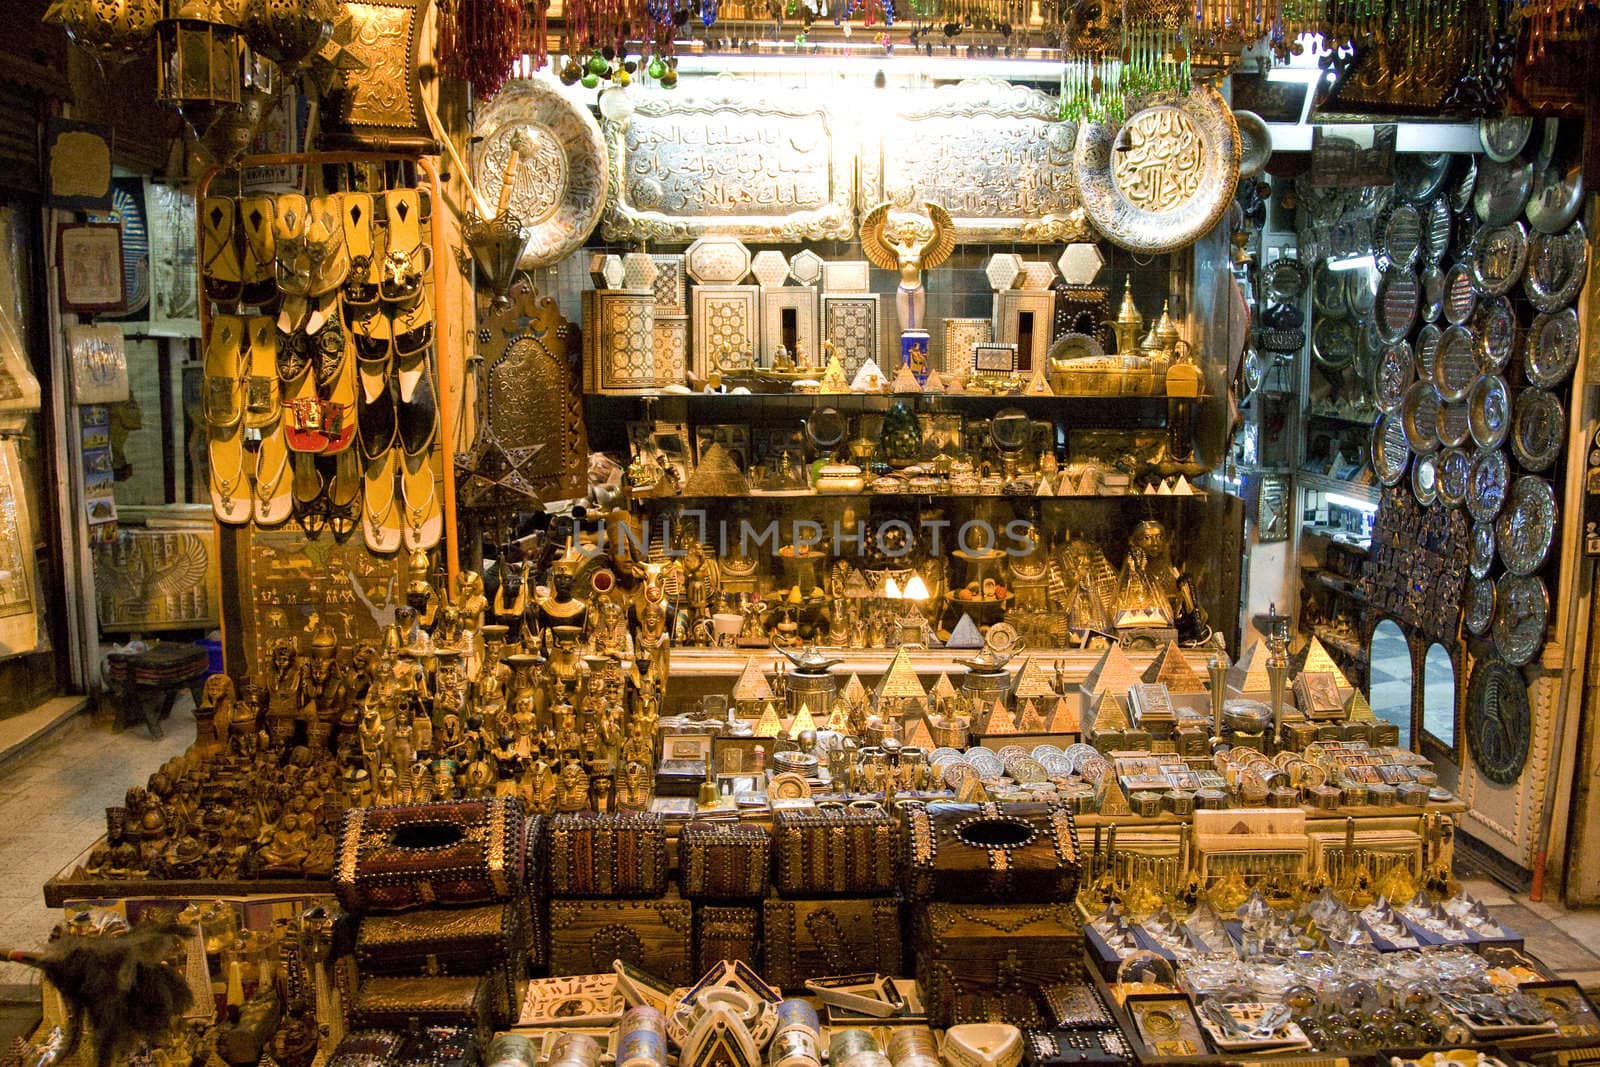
(114, 30)
(289, 32)
(200, 61)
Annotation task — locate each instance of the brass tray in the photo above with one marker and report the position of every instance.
(1455, 367)
(1333, 343)
(1478, 612)
(1433, 283)
(1427, 349)
(1438, 224)
(1527, 525)
(1399, 294)
(1329, 295)
(1389, 449)
(1496, 326)
(1521, 613)
(1400, 237)
(1497, 257)
(1489, 411)
(1163, 178)
(1557, 197)
(1538, 429)
(1396, 370)
(1503, 139)
(1552, 349)
(1425, 480)
(1460, 298)
(1502, 190)
(1461, 194)
(1419, 415)
(1455, 425)
(1255, 143)
(1480, 548)
(1558, 263)
(1455, 468)
(1486, 489)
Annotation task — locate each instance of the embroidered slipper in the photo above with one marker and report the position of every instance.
(221, 270)
(274, 500)
(373, 338)
(344, 495)
(422, 522)
(408, 256)
(302, 415)
(325, 247)
(339, 392)
(376, 418)
(380, 512)
(289, 232)
(230, 484)
(223, 400)
(366, 263)
(257, 216)
(413, 326)
(418, 408)
(310, 487)
(261, 406)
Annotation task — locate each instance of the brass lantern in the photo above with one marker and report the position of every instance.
(200, 61)
(115, 30)
(289, 31)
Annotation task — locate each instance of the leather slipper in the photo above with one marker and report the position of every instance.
(221, 270)
(380, 507)
(344, 495)
(309, 487)
(257, 216)
(376, 418)
(325, 247)
(261, 406)
(417, 409)
(413, 326)
(366, 260)
(223, 399)
(273, 499)
(289, 232)
(302, 416)
(339, 390)
(408, 256)
(230, 482)
(294, 348)
(422, 522)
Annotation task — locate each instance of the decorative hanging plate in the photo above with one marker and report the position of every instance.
(1165, 176)
(1499, 722)
(1486, 491)
(1433, 283)
(1557, 197)
(1427, 349)
(1455, 367)
(1538, 427)
(1419, 414)
(1286, 278)
(1502, 191)
(1460, 298)
(1496, 327)
(1389, 450)
(1497, 257)
(1557, 266)
(1479, 611)
(1425, 480)
(1480, 547)
(1396, 307)
(1437, 224)
(1328, 294)
(1527, 525)
(1418, 178)
(1358, 294)
(1400, 239)
(559, 190)
(1552, 348)
(1503, 138)
(1396, 372)
(1455, 467)
(1461, 194)
(1455, 427)
(1255, 143)
(1489, 411)
(1521, 613)
(1333, 343)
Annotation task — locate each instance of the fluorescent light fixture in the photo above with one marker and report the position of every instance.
(1300, 75)
(1344, 501)
(868, 62)
(1352, 263)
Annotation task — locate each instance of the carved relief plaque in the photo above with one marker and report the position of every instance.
(992, 153)
(732, 162)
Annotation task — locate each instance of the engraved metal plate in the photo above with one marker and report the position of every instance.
(1486, 492)
(1427, 349)
(1333, 343)
(1460, 298)
(1521, 613)
(1497, 257)
(1455, 367)
(1552, 348)
(1285, 279)
(1557, 266)
(1358, 293)
(1538, 428)
(559, 189)
(1557, 197)
(1461, 194)
(1433, 283)
(1502, 190)
(993, 154)
(1255, 143)
(1389, 449)
(1496, 327)
(1480, 547)
(1328, 295)
(1502, 139)
(1425, 480)
(1479, 612)
(1419, 414)
(1527, 525)
(733, 160)
(1401, 237)
(1455, 468)
(1437, 225)
(1489, 411)
(1396, 372)
(1418, 178)
(1399, 293)
(1455, 427)
(1165, 176)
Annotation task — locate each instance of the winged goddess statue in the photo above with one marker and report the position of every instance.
(910, 238)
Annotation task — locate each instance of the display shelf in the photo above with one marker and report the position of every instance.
(1198, 495)
(1324, 483)
(1333, 583)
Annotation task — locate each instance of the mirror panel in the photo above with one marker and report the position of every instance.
(1389, 676)
(1439, 696)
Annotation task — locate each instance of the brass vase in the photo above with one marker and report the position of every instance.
(497, 246)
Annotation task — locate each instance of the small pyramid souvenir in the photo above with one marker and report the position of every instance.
(716, 475)
(833, 379)
(1064, 718)
(917, 733)
(905, 381)
(856, 585)
(869, 379)
(1032, 721)
(1318, 659)
(943, 690)
(1171, 669)
(965, 635)
(1249, 674)
(1038, 385)
(1032, 683)
(802, 722)
(839, 718)
(1356, 709)
(854, 693)
(1182, 487)
(1044, 488)
(935, 383)
(1113, 674)
(770, 725)
(1002, 721)
(1109, 715)
(752, 685)
(900, 681)
(1113, 801)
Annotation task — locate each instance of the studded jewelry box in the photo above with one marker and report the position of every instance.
(988, 852)
(448, 941)
(817, 938)
(835, 852)
(726, 932)
(419, 855)
(475, 1001)
(724, 861)
(988, 962)
(612, 854)
(653, 935)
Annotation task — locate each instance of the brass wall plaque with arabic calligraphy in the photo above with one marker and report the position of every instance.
(1163, 163)
(730, 161)
(991, 153)
(379, 103)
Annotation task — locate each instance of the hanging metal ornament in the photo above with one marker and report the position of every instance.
(111, 30)
(479, 40)
(288, 32)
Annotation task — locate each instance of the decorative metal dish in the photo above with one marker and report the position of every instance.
(1489, 411)
(1558, 263)
(1538, 429)
(1163, 178)
(1462, 193)
(1478, 613)
(1396, 306)
(1400, 237)
(1255, 143)
(1502, 190)
(1497, 257)
(1425, 480)
(1486, 490)
(1455, 425)
(1438, 223)
(1503, 139)
(1496, 327)
(1419, 415)
(1460, 298)
(1418, 178)
(1521, 614)
(1557, 197)
(1527, 525)
(1333, 343)
(1358, 294)
(1389, 449)
(1433, 283)
(1328, 293)
(1455, 365)
(1552, 348)
(1396, 370)
(1427, 349)
(1480, 547)
(1455, 468)
(1286, 279)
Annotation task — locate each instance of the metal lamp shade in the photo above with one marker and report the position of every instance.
(115, 30)
(497, 246)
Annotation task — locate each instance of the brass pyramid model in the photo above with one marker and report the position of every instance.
(854, 693)
(802, 722)
(716, 475)
(1249, 674)
(900, 681)
(1064, 718)
(1318, 659)
(1114, 674)
(1110, 716)
(771, 725)
(1032, 682)
(1171, 669)
(1031, 721)
(752, 685)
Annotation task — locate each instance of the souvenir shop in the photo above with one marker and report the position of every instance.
(887, 533)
